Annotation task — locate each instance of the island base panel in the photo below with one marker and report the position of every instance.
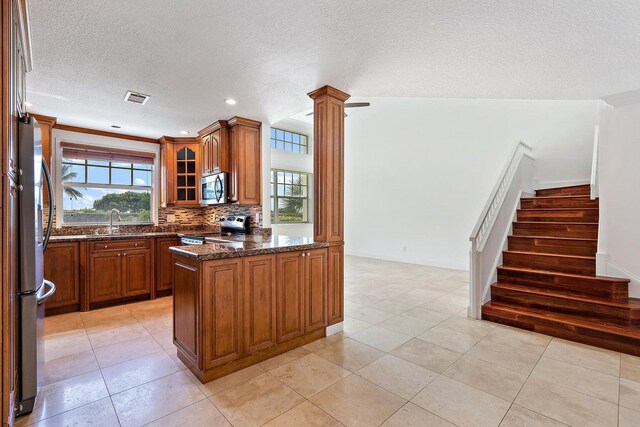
(245, 362)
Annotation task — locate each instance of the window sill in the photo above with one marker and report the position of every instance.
(102, 224)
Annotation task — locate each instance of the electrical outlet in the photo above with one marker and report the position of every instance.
(171, 218)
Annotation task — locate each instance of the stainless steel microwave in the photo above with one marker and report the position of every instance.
(214, 189)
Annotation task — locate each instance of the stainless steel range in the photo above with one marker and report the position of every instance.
(229, 226)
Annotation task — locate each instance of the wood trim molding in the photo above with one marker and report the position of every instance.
(104, 133)
(213, 127)
(47, 120)
(244, 121)
(330, 91)
(171, 140)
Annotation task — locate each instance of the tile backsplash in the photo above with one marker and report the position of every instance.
(186, 218)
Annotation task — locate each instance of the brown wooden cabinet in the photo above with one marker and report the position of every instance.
(245, 175)
(302, 293)
(205, 155)
(105, 275)
(222, 312)
(259, 306)
(232, 313)
(315, 290)
(164, 281)
(215, 148)
(62, 266)
(290, 296)
(137, 272)
(335, 283)
(119, 269)
(181, 170)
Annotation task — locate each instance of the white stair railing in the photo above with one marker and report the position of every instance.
(595, 173)
(516, 178)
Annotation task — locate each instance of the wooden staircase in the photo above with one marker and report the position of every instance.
(547, 282)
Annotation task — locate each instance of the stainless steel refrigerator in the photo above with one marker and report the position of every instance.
(34, 289)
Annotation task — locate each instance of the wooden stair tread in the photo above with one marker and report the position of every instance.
(556, 223)
(570, 275)
(551, 255)
(630, 303)
(557, 209)
(557, 238)
(558, 197)
(568, 319)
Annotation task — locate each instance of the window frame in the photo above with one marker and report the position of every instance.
(275, 197)
(273, 141)
(103, 143)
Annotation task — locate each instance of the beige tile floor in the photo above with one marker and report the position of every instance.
(408, 357)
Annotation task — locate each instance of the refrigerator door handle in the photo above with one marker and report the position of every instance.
(48, 295)
(47, 178)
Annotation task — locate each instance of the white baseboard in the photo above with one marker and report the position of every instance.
(612, 270)
(410, 260)
(334, 329)
(557, 184)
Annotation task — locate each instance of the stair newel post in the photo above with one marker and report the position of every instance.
(328, 170)
(475, 277)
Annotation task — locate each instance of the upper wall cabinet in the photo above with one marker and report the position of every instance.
(181, 171)
(215, 148)
(245, 176)
(234, 146)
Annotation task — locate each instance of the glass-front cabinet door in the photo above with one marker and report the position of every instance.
(187, 175)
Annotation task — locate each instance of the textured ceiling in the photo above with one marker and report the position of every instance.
(191, 55)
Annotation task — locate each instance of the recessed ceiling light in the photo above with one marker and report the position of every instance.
(230, 101)
(184, 132)
(28, 104)
(115, 126)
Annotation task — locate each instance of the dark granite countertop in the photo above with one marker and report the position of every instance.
(239, 246)
(121, 236)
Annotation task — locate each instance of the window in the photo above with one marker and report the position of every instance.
(94, 182)
(289, 196)
(289, 141)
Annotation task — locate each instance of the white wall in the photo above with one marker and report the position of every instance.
(294, 162)
(418, 171)
(619, 240)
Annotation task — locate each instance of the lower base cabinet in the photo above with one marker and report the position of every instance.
(289, 296)
(222, 312)
(164, 281)
(119, 269)
(62, 266)
(335, 304)
(251, 308)
(259, 302)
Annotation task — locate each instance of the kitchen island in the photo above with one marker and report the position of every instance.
(241, 300)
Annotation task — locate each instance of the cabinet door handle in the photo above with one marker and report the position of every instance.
(136, 245)
(303, 254)
(308, 253)
(106, 246)
(119, 254)
(125, 254)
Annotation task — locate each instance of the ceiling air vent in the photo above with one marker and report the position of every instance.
(136, 97)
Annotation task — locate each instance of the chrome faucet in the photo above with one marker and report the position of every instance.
(111, 228)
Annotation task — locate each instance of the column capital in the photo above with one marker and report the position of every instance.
(329, 91)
